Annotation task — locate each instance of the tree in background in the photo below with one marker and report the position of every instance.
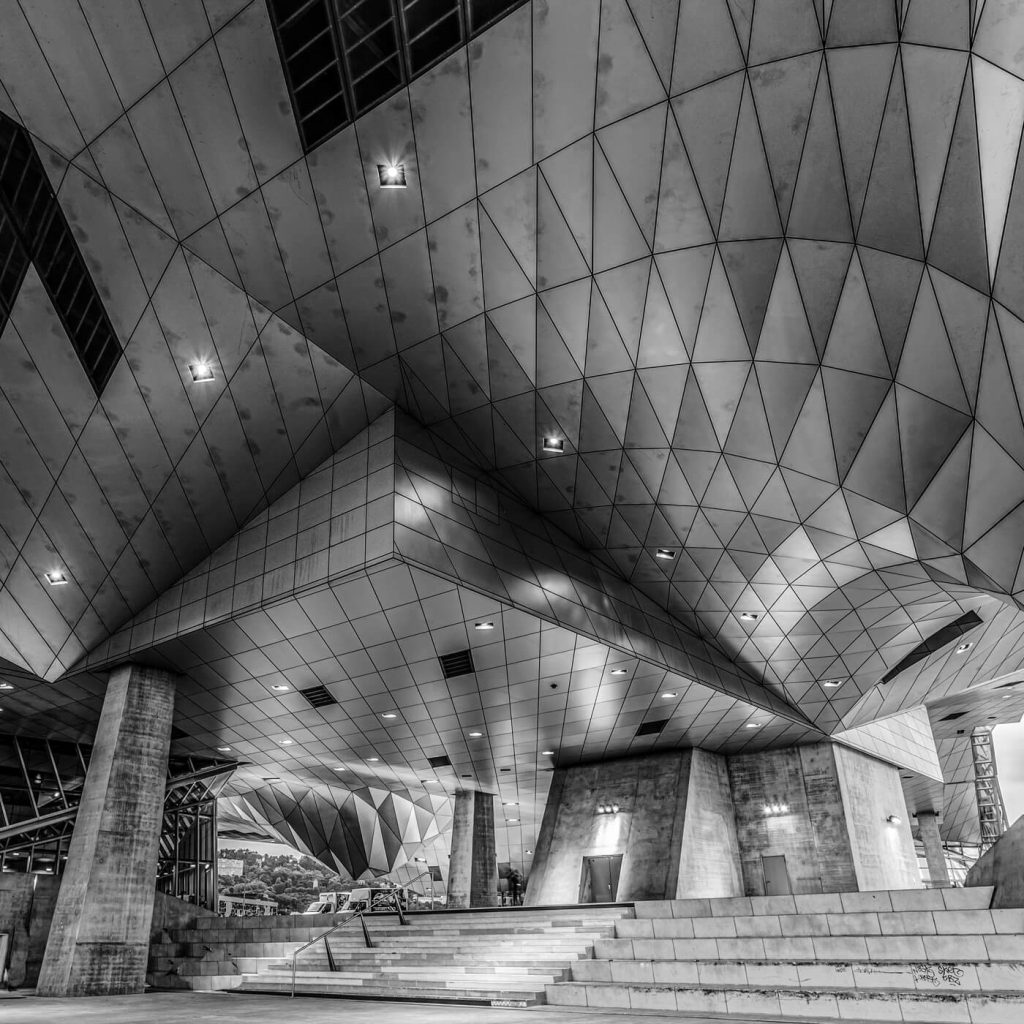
(294, 882)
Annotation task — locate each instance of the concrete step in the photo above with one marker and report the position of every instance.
(818, 947)
(974, 898)
(774, 1003)
(905, 975)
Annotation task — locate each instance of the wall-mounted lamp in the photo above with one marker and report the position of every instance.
(894, 819)
(776, 809)
(607, 808)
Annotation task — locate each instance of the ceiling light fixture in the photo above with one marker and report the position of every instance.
(607, 808)
(271, 778)
(280, 687)
(201, 372)
(483, 625)
(527, 851)
(475, 735)
(56, 578)
(894, 819)
(776, 808)
(548, 753)
(389, 714)
(554, 444)
(373, 759)
(669, 693)
(964, 647)
(224, 750)
(511, 803)
(391, 175)
(286, 743)
(6, 686)
(832, 683)
(511, 821)
(753, 725)
(420, 860)
(619, 671)
(748, 616)
(667, 553)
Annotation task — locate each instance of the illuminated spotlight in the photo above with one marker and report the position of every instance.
(475, 735)
(753, 725)
(483, 625)
(339, 768)
(548, 753)
(286, 743)
(894, 819)
(964, 647)
(56, 578)
(280, 687)
(391, 175)
(666, 553)
(389, 714)
(373, 760)
(554, 444)
(527, 851)
(512, 821)
(511, 803)
(832, 683)
(748, 616)
(224, 750)
(8, 686)
(201, 372)
(619, 671)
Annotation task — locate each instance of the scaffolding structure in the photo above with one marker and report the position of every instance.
(991, 812)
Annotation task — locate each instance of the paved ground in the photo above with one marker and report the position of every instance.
(220, 1008)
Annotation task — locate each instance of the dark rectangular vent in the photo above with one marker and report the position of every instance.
(953, 717)
(1004, 686)
(318, 696)
(342, 57)
(458, 664)
(934, 643)
(444, 761)
(38, 226)
(652, 728)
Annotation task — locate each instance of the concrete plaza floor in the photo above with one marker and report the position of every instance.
(221, 1008)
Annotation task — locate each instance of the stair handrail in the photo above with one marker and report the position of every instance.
(357, 916)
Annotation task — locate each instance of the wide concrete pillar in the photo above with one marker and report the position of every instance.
(473, 867)
(99, 938)
(935, 855)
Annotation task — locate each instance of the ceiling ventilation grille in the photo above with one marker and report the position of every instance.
(34, 224)
(442, 761)
(318, 696)
(458, 664)
(934, 643)
(652, 728)
(342, 57)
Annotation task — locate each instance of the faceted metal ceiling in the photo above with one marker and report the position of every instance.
(760, 266)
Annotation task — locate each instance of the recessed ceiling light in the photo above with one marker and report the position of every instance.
(373, 759)
(753, 725)
(224, 750)
(389, 714)
(6, 686)
(527, 851)
(201, 372)
(665, 553)
(964, 647)
(548, 753)
(56, 578)
(669, 693)
(511, 821)
(483, 625)
(286, 743)
(748, 616)
(511, 803)
(391, 175)
(475, 735)
(339, 768)
(832, 683)
(554, 444)
(280, 687)
(619, 671)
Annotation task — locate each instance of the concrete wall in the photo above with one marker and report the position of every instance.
(1003, 867)
(811, 835)
(647, 830)
(883, 852)
(709, 861)
(26, 909)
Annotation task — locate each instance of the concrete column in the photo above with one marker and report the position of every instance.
(928, 825)
(99, 939)
(473, 867)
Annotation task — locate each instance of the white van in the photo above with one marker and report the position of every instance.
(377, 899)
(327, 903)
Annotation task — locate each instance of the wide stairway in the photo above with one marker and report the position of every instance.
(503, 957)
(927, 955)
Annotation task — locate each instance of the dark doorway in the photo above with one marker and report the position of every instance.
(599, 882)
(776, 877)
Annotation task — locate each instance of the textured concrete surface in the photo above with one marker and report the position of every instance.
(99, 938)
(224, 1008)
(473, 868)
(26, 907)
(1003, 867)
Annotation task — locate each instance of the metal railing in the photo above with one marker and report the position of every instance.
(327, 946)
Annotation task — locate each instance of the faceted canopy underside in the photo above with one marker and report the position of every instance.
(761, 266)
